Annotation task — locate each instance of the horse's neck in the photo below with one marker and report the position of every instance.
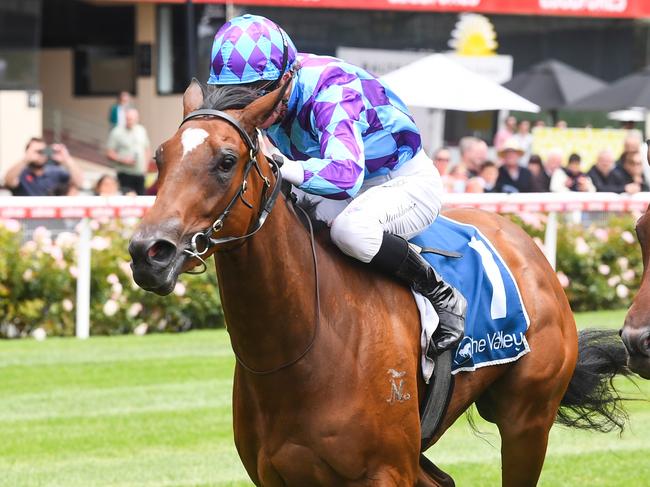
(267, 290)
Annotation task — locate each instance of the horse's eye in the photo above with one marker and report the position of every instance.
(228, 162)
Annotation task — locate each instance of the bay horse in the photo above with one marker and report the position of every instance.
(318, 337)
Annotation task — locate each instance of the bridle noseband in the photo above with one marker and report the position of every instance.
(203, 241)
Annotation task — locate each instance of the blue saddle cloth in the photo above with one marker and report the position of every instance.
(496, 321)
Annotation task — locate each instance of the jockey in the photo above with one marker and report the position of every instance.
(349, 143)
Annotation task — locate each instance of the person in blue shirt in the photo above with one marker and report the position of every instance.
(43, 171)
(351, 147)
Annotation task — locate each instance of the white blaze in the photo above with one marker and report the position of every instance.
(192, 138)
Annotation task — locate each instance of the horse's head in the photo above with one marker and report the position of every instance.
(212, 183)
(636, 330)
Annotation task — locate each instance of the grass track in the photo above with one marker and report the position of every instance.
(155, 411)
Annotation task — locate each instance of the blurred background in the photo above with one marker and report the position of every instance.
(63, 62)
(541, 103)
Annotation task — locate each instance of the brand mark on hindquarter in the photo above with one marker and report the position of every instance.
(397, 381)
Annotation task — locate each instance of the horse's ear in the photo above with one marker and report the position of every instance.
(259, 111)
(193, 97)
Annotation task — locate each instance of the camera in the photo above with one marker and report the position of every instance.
(48, 151)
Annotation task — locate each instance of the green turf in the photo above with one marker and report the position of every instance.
(155, 411)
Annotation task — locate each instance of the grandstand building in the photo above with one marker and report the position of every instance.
(80, 53)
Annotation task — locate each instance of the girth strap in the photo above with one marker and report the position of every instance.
(436, 398)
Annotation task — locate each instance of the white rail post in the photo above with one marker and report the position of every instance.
(550, 239)
(82, 324)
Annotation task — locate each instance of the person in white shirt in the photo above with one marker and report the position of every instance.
(129, 149)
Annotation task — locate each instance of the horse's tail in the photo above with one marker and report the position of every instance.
(591, 400)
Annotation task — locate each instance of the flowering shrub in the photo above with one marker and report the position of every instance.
(599, 268)
(38, 287)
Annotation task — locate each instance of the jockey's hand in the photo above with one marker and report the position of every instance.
(268, 149)
(292, 171)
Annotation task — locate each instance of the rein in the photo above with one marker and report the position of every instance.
(205, 237)
(316, 311)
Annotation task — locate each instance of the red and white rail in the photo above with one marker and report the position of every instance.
(58, 207)
(135, 206)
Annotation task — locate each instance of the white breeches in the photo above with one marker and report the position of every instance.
(403, 202)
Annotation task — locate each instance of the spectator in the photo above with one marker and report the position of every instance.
(128, 147)
(554, 163)
(441, 160)
(107, 186)
(475, 185)
(631, 144)
(628, 125)
(473, 153)
(561, 124)
(512, 177)
(603, 175)
(631, 172)
(43, 171)
(571, 178)
(505, 133)
(489, 174)
(539, 123)
(117, 112)
(525, 140)
(457, 182)
(541, 180)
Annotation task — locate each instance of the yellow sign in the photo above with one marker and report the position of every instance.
(586, 142)
(474, 35)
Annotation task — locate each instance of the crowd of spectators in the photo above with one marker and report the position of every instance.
(515, 169)
(49, 170)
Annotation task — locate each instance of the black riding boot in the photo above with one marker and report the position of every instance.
(398, 258)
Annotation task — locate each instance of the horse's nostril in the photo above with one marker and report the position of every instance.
(161, 252)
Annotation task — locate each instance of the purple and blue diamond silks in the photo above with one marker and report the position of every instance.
(345, 126)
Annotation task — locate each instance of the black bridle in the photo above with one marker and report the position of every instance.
(203, 241)
(205, 236)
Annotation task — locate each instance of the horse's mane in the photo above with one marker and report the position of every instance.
(230, 97)
(237, 97)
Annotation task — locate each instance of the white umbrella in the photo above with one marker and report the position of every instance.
(438, 82)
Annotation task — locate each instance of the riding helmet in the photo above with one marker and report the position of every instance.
(248, 49)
